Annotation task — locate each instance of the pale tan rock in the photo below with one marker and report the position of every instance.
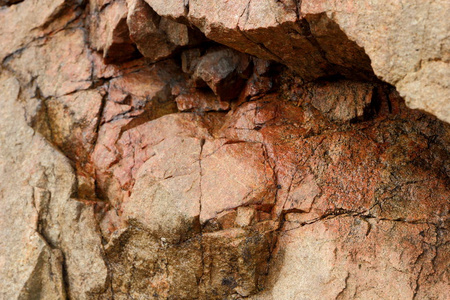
(428, 89)
(39, 189)
(174, 8)
(329, 189)
(277, 31)
(342, 258)
(24, 24)
(239, 182)
(407, 44)
(245, 216)
(73, 120)
(82, 245)
(59, 66)
(350, 102)
(397, 41)
(47, 277)
(166, 196)
(20, 244)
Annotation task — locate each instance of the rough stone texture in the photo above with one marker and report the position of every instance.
(224, 71)
(341, 258)
(199, 100)
(406, 44)
(157, 37)
(37, 184)
(108, 31)
(240, 182)
(58, 66)
(24, 25)
(140, 159)
(9, 2)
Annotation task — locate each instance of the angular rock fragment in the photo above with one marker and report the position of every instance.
(223, 174)
(73, 120)
(157, 37)
(224, 71)
(343, 100)
(120, 151)
(144, 265)
(302, 194)
(174, 9)
(109, 31)
(146, 92)
(324, 38)
(47, 277)
(9, 2)
(408, 54)
(279, 31)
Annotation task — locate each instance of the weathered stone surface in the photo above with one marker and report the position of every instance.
(343, 100)
(156, 37)
(199, 172)
(167, 201)
(22, 248)
(145, 266)
(9, 2)
(315, 159)
(198, 100)
(224, 71)
(146, 92)
(408, 45)
(428, 89)
(73, 120)
(114, 156)
(47, 277)
(25, 25)
(58, 67)
(173, 9)
(39, 189)
(341, 258)
(274, 30)
(108, 31)
(241, 255)
(240, 182)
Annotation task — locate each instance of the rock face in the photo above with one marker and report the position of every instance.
(224, 150)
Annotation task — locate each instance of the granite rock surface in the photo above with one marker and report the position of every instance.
(224, 149)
